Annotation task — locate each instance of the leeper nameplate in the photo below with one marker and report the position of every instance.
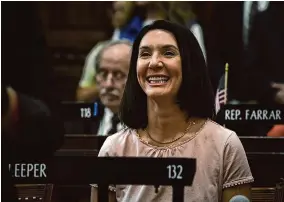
(111, 170)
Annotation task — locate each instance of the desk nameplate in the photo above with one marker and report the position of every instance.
(111, 170)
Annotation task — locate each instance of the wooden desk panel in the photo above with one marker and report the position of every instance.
(265, 156)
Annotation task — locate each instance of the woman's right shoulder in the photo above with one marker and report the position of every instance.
(116, 142)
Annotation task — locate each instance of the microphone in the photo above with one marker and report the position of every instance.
(239, 198)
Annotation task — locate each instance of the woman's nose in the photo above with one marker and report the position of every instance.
(155, 61)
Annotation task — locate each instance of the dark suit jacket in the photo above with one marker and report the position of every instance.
(39, 134)
(225, 43)
(265, 56)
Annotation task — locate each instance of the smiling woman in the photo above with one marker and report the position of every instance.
(166, 49)
(157, 49)
(167, 107)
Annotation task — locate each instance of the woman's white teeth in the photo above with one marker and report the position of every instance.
(158, 81)
(162, 79)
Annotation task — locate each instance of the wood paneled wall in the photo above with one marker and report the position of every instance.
(71, 29)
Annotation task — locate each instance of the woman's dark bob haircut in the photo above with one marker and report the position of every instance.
(195, 95)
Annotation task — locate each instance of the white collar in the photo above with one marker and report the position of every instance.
(108, 112)
(105, 123)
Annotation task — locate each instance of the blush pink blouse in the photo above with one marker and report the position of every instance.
(220, 156)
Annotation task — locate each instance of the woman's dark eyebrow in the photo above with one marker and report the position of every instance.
(169, 46)
(160, 46)
(144, 47)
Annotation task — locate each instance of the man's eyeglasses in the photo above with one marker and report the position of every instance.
(117, 75)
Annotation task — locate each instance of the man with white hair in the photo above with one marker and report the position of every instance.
(107, 68)
(111, 67)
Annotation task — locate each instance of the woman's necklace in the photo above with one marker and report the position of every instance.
(190, 123)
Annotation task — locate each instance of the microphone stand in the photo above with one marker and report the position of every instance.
(102, 192)
(178, 193)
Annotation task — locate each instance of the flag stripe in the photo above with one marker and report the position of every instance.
(221, 99)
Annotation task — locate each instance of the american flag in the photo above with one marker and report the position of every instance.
(220, 99)
(222, 90)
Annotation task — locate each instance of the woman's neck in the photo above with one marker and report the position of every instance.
(165, 120)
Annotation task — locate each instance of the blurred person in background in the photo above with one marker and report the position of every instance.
(264, 65)
(228, 39)
(29, 131)
(260, 78)
(264, 57)
(182, 13)
(153, 10)
(112, 70)
(129, 17)
(127, 20)
(111, 64)
(30, 127)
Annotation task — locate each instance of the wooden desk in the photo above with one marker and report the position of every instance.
(265, 156)
(83, 142)
(267, 169)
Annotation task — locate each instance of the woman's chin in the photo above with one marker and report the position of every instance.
(156, 94)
